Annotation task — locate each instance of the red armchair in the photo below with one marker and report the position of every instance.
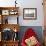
(28, 35)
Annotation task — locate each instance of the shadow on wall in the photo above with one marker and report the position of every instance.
(37, 29)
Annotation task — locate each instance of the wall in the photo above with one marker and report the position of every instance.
(27, 4)
(32, 4)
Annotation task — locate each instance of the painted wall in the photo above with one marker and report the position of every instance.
(32, 4)
(27, 4)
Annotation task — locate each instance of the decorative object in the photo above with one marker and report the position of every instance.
(13, 12)
(9, 34)
(31, 41)
(30, 13)
(15, 36)
(30, 38)
(15, 3)
(6, 21)
(5, 12)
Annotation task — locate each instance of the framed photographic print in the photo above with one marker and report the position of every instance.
(30, 13)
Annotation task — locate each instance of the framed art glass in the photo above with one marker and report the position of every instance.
(30, 13)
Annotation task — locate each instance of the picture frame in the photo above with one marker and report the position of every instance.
(30, 13)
